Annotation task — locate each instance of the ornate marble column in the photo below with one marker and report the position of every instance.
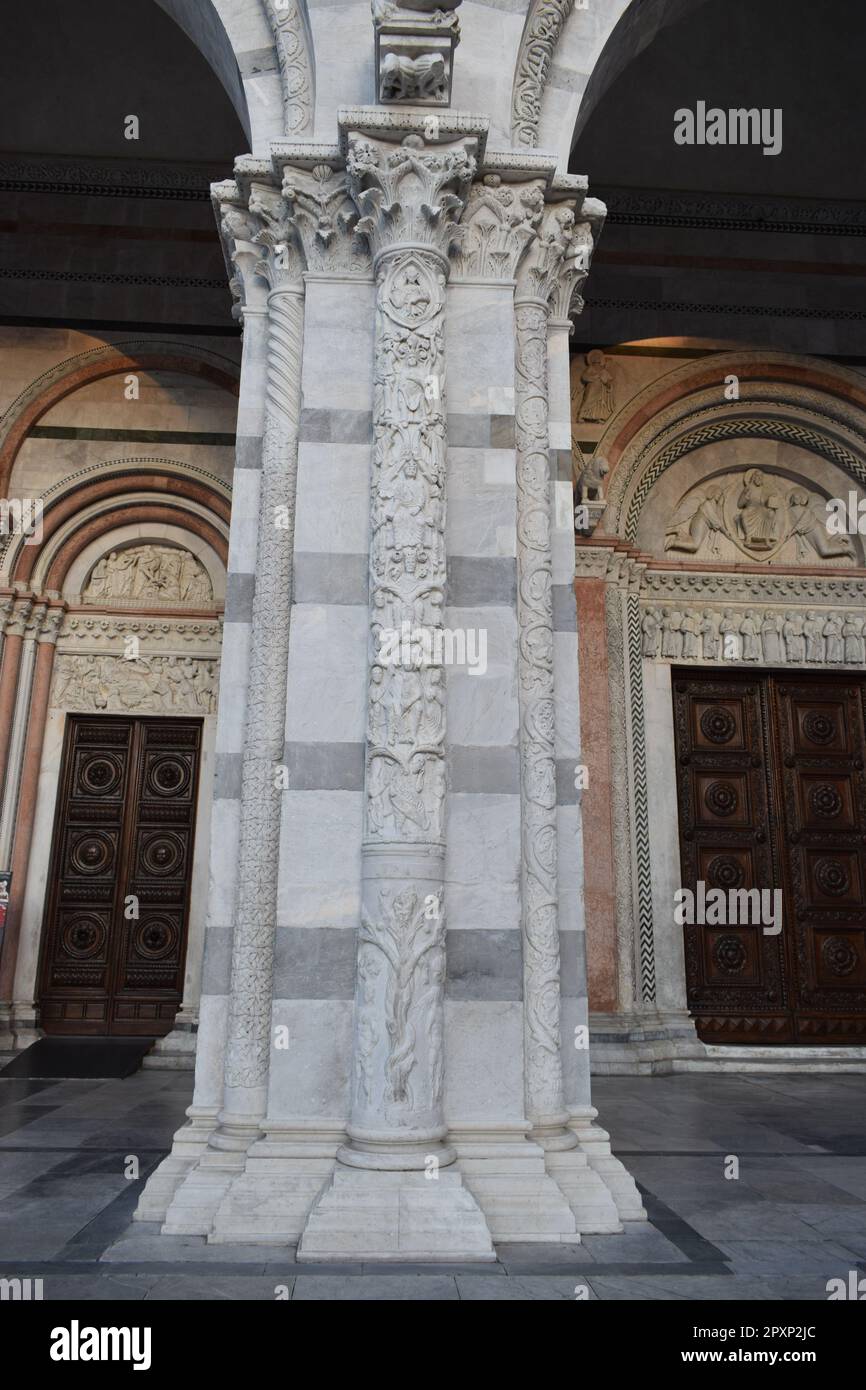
(410, 195)
(23, 780)
(248, 1042)
(556, 253)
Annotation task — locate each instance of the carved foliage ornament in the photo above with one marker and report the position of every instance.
(407, 941)
(543, 27)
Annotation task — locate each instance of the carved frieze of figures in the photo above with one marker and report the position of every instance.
(149, 573)
(147, 685)
(771, 637)
(596, 402)
(759, 515)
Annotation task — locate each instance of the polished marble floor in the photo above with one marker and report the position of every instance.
(793, 1218)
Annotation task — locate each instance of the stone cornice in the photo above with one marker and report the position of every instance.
(712, 211)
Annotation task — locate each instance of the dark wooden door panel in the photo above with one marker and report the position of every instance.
(772, 794)
(821, 742)
(735, 973)
(116, 918)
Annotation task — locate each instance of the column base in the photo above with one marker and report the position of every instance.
(590, 1199)
(507, 1177)
(188, 1145)
(595, 1143)
(269, 1202)
(375, 1215)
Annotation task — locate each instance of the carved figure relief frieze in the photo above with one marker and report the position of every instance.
(759, 516)
(147, 685)
(767, 636)
(149, 574)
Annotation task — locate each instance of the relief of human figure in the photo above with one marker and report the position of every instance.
(833, 634)
(813, 628)
(432, 728)
(651, 632)
(750, 633)
(379, 712)
(810, 530)
(706, 523)
(729, 630)
(710, 635)
(596, 404)
(406, 499)
(795, 641)
(690, 629)
(852, 631)
(771, 636)
(407, 797)
(672, 637)
(758, 513)
(381, 773)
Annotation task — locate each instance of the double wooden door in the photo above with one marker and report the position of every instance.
(772, 794)
(114, 937)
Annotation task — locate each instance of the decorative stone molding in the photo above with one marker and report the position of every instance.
(726, 212)
(415, 43)
(108, 178)
(740, 427)
(181, 636)
(544, 24)
(294, 47)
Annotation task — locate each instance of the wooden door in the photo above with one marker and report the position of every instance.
(114, 937)
(821, 746)
(772, 795)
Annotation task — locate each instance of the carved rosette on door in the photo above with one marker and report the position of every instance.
(117, 908)
(772, 795)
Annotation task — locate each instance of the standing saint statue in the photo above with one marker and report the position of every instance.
(596, 403)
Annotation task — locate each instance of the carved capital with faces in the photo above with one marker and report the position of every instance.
(556, 261)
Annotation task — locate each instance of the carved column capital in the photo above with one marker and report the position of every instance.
(22, 608)
(238, 231)
(324, 219)
(52, 620)
(409, 194)
(281, 261)
(498, 223)
(556, 261)
(6, 602)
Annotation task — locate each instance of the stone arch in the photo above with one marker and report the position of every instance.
(781, 396)
(570, 54)
(75, 372)
(262, 53)
(106, 490)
